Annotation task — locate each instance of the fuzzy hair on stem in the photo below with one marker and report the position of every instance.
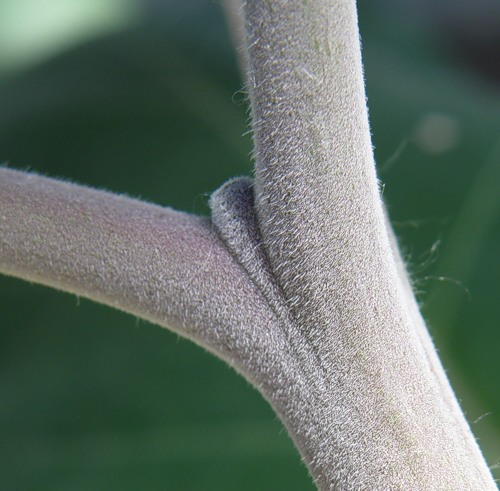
(296, 280)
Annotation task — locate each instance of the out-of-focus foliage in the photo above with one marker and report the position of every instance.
(145, 98)
(33, 31)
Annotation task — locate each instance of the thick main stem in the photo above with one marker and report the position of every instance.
(385, 416)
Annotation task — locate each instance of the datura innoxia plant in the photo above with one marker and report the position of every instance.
(296, 279)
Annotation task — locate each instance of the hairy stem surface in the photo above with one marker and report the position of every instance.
(385, 416)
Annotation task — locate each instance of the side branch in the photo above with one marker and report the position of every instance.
(159, 264)
(131, 255)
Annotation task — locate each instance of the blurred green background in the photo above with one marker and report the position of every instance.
(144, 98)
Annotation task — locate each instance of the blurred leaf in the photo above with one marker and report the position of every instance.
(33, 31)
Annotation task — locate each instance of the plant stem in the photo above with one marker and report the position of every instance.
(159, 264)
(383, 416)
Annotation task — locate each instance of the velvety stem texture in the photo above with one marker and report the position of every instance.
(296, 281)
(168, 267)
(382, 416)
